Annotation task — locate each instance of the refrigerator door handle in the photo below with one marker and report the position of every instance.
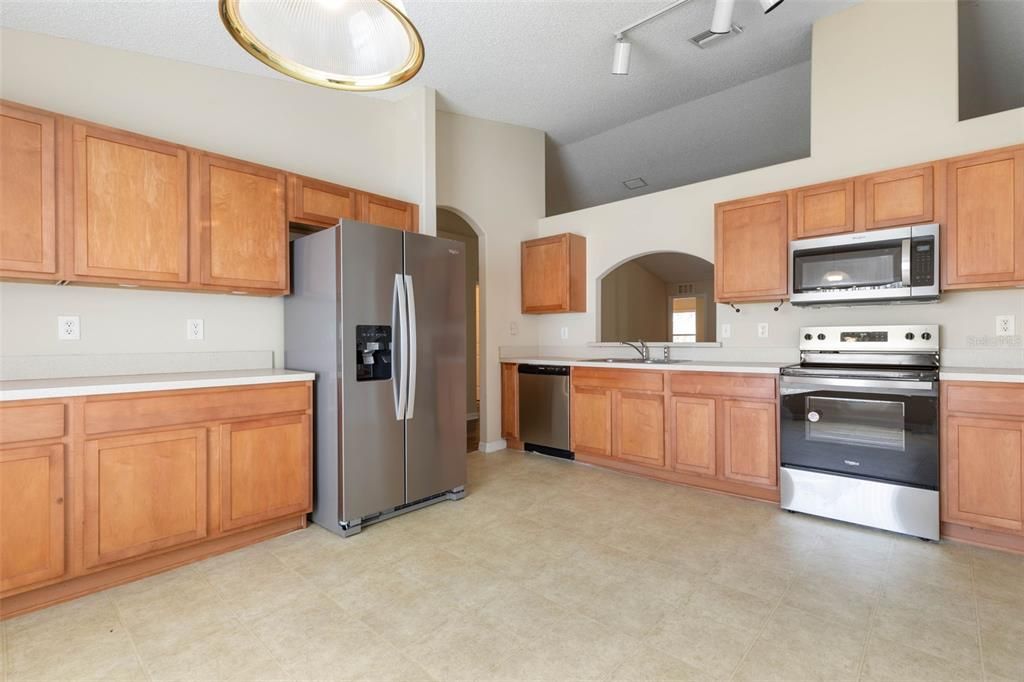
(398, 309)
(411, 353)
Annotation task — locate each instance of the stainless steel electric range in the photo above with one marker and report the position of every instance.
(859, 425)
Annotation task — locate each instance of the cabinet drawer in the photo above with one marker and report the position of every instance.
(625, 379)
(31, 422)
(731, 385)
(148, 410)
(985, 399)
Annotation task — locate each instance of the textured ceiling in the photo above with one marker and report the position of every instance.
(538, 63)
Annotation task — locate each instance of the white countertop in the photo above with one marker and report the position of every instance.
(994, 374)
(688, 366)
(29, 389)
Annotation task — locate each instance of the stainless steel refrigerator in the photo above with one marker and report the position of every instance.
(380, 316)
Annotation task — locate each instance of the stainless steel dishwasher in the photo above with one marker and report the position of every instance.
(544, 409)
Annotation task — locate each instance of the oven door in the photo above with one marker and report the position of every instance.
(885, 430)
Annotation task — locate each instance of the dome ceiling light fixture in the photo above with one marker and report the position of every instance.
(721, 24)
(354, 45)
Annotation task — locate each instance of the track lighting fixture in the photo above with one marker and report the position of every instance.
(620, 60)
(721, 20)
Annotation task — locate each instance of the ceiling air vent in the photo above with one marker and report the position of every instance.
(707, 38)
(635, 183)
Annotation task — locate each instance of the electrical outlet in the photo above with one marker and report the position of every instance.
(68, 328)
(564, 332)
(726, 331)
(193, 330)
(513, 328)
(1005, 325)
(762, 330)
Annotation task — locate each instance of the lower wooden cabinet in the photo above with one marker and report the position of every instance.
(694, 434)
(591, 425)
(510, 401)
(982, 459)
(640, 427)
(264, 470)
(31, 515)
(128, 485)
(749, 442)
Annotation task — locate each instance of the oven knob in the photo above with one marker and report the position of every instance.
(821, 337)
(807, 337)
(909, 336)
(926, 336)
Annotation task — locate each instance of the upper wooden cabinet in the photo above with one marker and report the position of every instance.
(31, 515)
(378, 210)
(751, 249)
(240, 224)
(314, 202)
(983, 242)
(129, 206)
(905, 196)
(554, 274)
(824, 209)
(28, 192)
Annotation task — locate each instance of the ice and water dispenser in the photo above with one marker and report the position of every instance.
(373, 352)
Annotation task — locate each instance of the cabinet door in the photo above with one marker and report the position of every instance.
(749, 442)
(824, 209)
(985, 474)
(378, 210)
(241, 227)
(640, 427)
(592, 421)
(143, 493)
(751, 249)
(264, 470)
(509, 400)
(28, 194)
(899, 197)
(545, 275)
(130, 206)
(313, 202)
(984, 232)
(693, 435)
(31, 515)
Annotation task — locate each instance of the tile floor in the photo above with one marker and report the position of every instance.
(557, 571)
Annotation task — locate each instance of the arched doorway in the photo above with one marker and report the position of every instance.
(453, 224)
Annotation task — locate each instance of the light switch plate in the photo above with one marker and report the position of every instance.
(68, 328)
(564, 331)
(513, 328)
(726, 331)
(762, 330)
(1005, 325)
(194, 330)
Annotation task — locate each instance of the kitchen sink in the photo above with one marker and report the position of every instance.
(643, 362)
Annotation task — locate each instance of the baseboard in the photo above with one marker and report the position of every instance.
(492, 446)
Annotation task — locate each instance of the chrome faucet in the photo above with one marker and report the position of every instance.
(640, 347)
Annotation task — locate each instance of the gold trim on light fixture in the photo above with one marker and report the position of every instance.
(229, 14)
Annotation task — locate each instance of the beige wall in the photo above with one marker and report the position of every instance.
(451, 226)
(633, 305)
(884, 94)
(366, 142)
(492, 175)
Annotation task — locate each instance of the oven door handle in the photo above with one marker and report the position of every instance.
(794, 386)
(905, 263)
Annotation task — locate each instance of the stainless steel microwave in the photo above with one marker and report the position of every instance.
(898, 264)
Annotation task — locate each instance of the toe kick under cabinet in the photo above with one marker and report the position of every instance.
(100, 490)
(707, 429)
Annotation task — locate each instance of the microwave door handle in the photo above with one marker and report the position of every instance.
(905, 263)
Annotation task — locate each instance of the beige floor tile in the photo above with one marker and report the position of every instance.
(728, 606)
(412, 618)
(463, 648)
(232, 653)
(747, 575)
(832, 599)
(370, 591)
(705, 644)
(250, 599)
(651, 665)
(1002, 651)
(578, 649)
(523, 612)
(949, 638)
(956, 602)
(896, 662)
(797, 646)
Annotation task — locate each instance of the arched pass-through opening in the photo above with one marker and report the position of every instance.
(453, 224)
(661, 296)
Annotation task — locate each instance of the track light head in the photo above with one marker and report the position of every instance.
(620, 60)
(769, 5)
(721, 20)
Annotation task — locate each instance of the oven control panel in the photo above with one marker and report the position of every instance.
(859, 338)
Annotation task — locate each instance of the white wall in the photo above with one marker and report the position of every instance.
(883, 94)
(492, 175)
(370, 143)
